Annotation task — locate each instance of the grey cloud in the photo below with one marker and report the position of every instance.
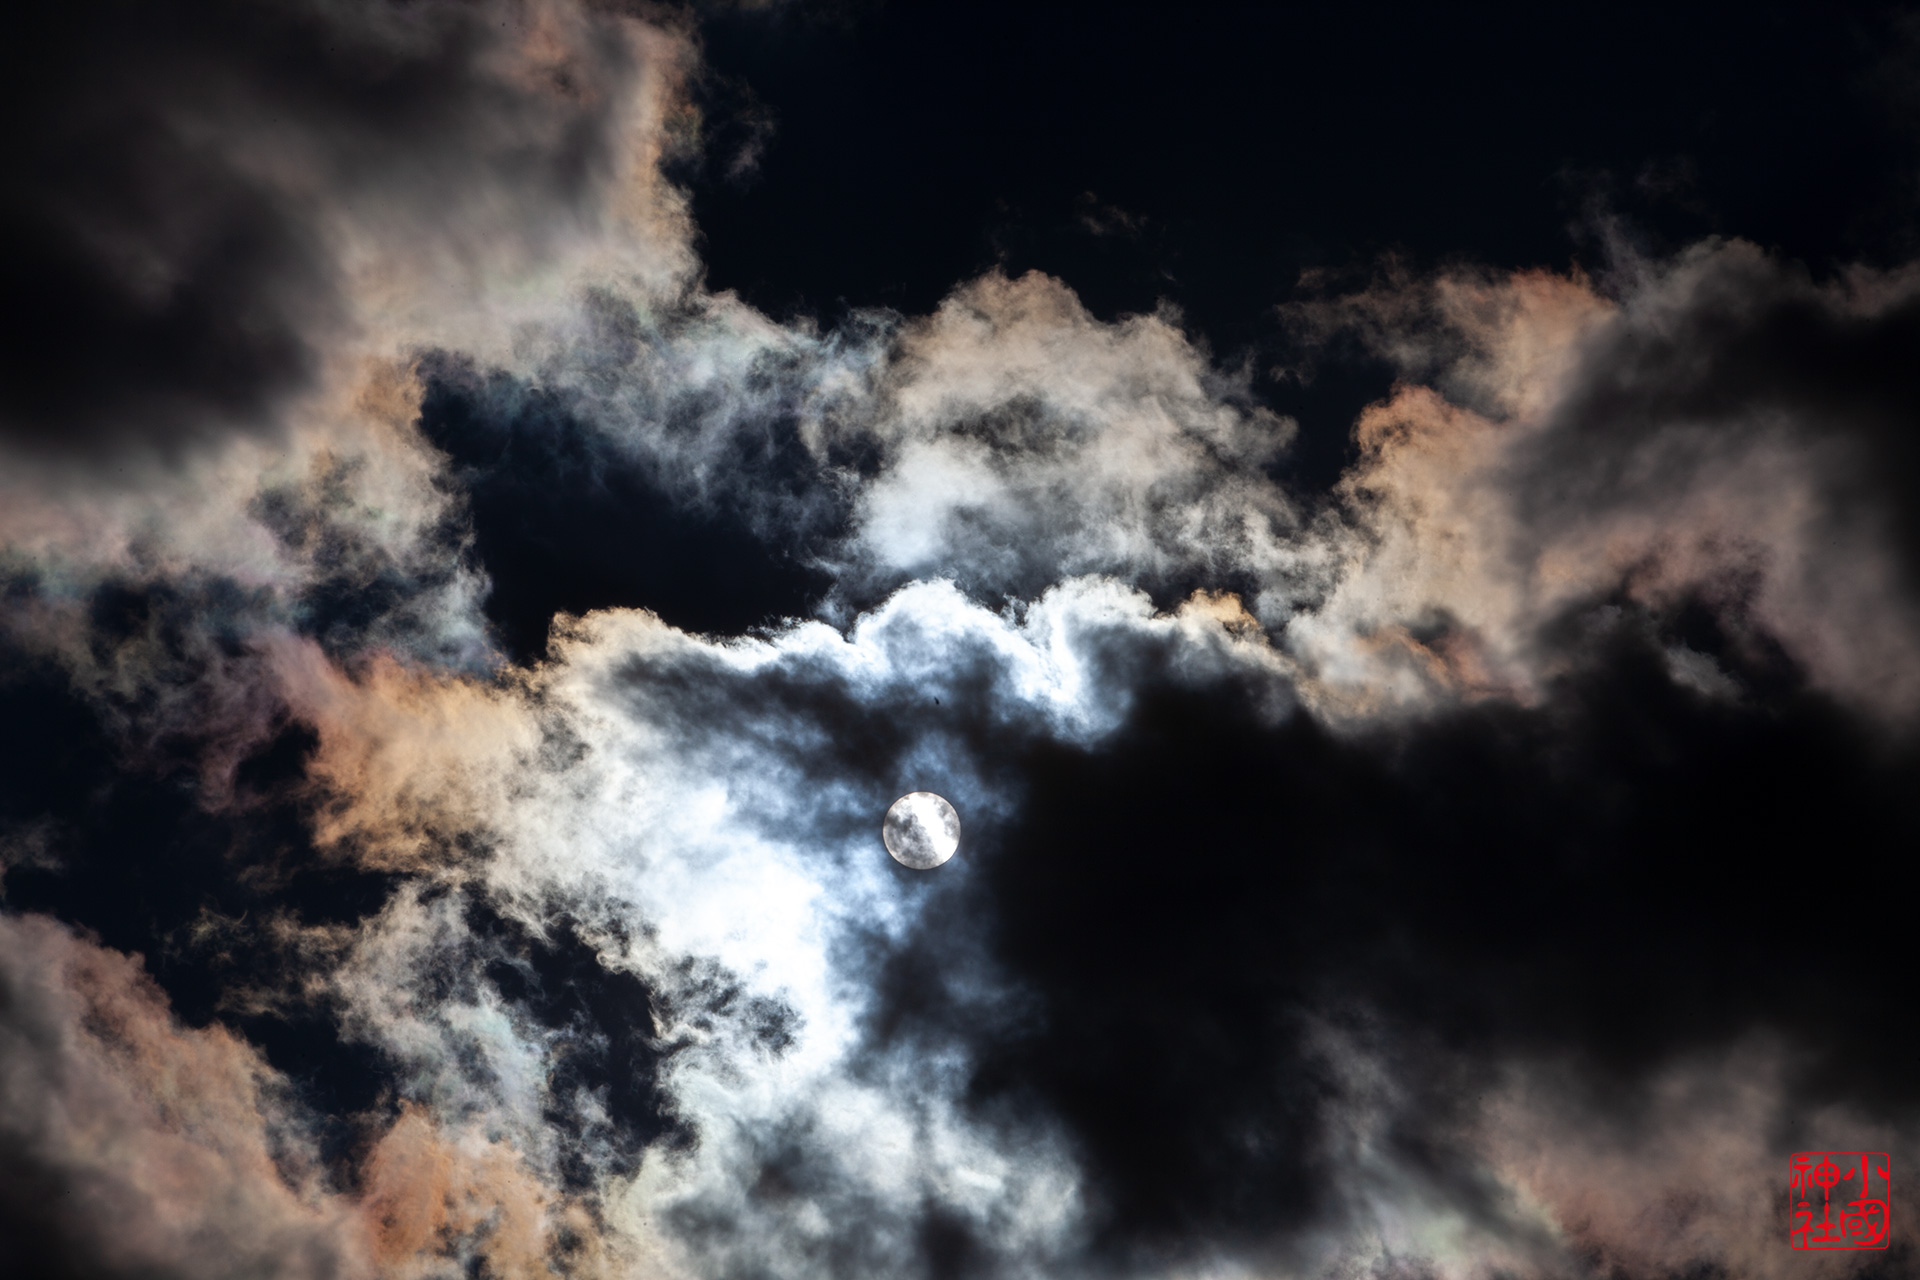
(184, 1141)
(646, 991)
(732, 793)
(1007, 441)
(1721, 430)
(197, 193)
(704, 809)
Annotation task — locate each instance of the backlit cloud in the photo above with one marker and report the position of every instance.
(462, 660)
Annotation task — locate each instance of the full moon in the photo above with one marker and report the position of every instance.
(921, 831)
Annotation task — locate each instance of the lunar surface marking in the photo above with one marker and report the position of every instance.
(921, 830)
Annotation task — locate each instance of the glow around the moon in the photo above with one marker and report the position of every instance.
(921, 830)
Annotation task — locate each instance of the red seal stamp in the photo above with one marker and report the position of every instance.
(1839, 1200)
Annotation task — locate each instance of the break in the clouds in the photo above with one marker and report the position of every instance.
(457, 663)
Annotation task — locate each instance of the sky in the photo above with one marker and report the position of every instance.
(1396, 529)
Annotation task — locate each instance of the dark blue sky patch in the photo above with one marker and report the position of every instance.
(564, 520)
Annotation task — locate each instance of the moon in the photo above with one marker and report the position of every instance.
(921, 830)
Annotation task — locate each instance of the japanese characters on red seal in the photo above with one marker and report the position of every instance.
(1839, 1200)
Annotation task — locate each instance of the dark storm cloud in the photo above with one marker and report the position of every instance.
(1625, 876)
(185, 180)
(1661, 856)
(1734, 346)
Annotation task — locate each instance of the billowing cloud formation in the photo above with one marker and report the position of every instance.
(470, 688)
(181, 1140)
(208, 201)
(1724, 428)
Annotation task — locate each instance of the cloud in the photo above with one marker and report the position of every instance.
(181, 1141)
(1719, 433)
(1121, 1004)
(209, 204)
(481, 724)
(1683, 1173)
(1023, 441)
(694, 813)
